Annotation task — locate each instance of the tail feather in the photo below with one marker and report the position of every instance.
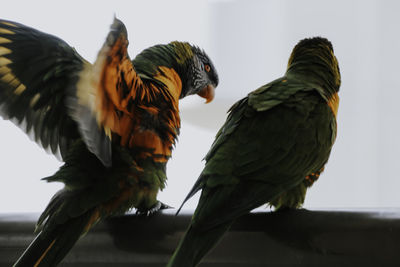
(197, 186)
(51, 245)
(196, 244)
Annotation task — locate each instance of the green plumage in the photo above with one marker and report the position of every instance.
(64, 238)
(272, 140)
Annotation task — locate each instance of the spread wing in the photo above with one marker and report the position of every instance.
(56, 96)
(103, 99)
(35, 69)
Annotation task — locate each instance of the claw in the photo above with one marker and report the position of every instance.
(165, 206)
(154, 209)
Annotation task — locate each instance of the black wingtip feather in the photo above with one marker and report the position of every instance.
(40, 65)
(117, 29)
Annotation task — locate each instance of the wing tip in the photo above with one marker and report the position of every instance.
(118, 28)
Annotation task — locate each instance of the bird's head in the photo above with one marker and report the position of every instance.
(316, 56)
(196, 70)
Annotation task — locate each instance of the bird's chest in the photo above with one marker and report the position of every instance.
(153, 132)
(149, 143)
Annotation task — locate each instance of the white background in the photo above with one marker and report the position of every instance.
(250, 42)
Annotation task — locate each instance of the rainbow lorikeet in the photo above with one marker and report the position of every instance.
(114, 123)
(273, 145)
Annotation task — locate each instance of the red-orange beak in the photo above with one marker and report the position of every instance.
(208, 93)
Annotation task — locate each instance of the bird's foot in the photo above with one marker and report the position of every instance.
(154, 209)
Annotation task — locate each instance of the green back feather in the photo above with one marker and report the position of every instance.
(173, 55)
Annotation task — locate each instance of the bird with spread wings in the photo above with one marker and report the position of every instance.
(114, 123)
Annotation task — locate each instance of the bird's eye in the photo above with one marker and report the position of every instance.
(207, 67)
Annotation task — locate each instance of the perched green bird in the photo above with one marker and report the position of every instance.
(273, 145)
(114, 123)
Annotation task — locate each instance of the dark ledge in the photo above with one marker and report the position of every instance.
(293, 238)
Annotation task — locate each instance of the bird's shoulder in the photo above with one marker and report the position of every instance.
(277, 92)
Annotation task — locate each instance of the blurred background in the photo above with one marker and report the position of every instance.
(250, 43)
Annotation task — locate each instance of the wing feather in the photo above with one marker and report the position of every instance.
(99, 102)
(35, 69)
(262, 150)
